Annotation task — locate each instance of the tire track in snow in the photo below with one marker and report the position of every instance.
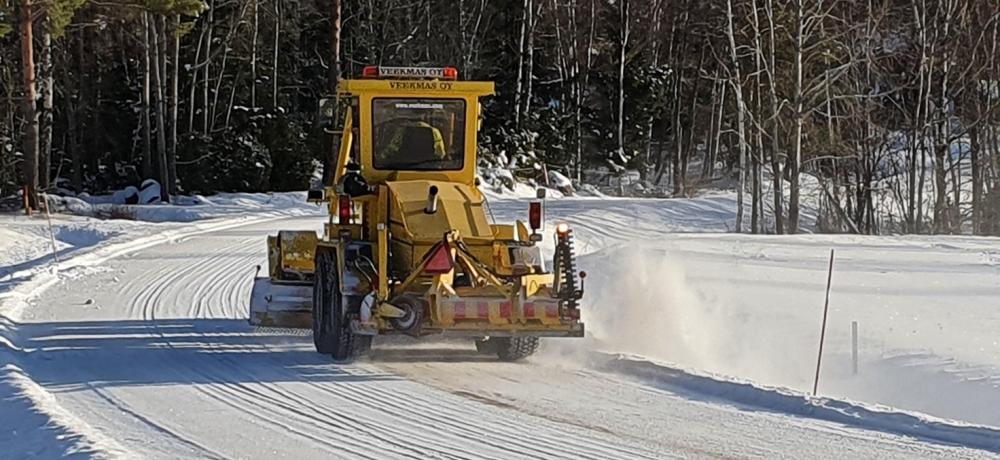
(221, 284)
(351, 395)
(456, 426)
(301, 407)
(222, 391)
(155, 286)
(150, 295)
(434, 412)
(126, 409)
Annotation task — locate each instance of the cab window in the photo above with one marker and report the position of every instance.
(418, 134)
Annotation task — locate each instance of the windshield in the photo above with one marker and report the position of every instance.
(419, 134)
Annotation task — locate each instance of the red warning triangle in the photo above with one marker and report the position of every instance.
(440, 261)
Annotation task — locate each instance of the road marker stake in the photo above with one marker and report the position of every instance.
(854, 347)
(822, 333)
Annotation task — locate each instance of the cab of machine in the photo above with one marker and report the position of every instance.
(414, 123)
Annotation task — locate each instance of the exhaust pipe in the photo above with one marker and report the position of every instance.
(432, 202)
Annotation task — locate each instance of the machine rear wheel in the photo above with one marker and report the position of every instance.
(515, 348)
(331, 329)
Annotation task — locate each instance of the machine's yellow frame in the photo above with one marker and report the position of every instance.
(506, 305)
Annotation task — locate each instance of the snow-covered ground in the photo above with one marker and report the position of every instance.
(34, 423)
(927, 308)
(703, 345)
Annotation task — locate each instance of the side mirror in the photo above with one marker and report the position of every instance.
(327, 111)
(316, 196)
(326, 107)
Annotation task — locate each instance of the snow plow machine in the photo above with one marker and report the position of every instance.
(408, 248)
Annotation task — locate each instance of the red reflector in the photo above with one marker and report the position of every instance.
(535, 215)
(440, 261)
(344, 210)
(369, 72)
(450, 73)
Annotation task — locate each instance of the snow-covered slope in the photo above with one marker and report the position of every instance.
(751, 306)
(139, 348)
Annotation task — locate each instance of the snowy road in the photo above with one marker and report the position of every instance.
(149, 355)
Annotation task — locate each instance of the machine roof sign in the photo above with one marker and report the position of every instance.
(411, 72)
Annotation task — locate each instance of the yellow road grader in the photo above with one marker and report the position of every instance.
(408, 248)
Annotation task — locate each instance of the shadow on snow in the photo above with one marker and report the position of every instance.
(69, 356)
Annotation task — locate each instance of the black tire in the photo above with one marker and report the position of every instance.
(515, 348)
(331, 329)
(324, 295)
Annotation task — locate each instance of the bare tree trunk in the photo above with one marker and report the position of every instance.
(578, 90)
(333, 81)
(171, 154)
(757, 215)
(675, 178)
(583, 88)
(706, 166)
(776, 173)
(796, 161)
(943, 147)
(623, 39)
(717, 138)
(161, 144)
(525, 19)
(334, 76)
(45, 142)
(193, 103)
(274, 57)
(207, 76)
(915, 185)
(30, 165)
(530, 49)
(174, 101)
(736, 81)
(253, 55)
(218, 86)
(147, 132)
(977, 179)
(655, 62)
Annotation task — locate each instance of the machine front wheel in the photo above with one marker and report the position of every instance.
(331, 329)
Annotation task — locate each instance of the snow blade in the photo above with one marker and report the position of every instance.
(280, 305)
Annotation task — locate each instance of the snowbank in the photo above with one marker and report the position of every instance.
(33, 423)
(745, 393)
(750, 306)
(189, 208)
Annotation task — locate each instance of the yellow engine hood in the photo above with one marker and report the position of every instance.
(459, 207)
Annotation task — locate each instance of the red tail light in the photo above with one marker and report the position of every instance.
(535, 215)
(440, 261)
(344, 209)
(449, 73)
(369, 72)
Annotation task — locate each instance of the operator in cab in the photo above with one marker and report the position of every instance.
(418, 134)
(415, 143)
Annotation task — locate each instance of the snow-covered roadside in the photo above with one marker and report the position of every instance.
(32, 418)
(666, 284)
(745, 393)
(752, 306)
